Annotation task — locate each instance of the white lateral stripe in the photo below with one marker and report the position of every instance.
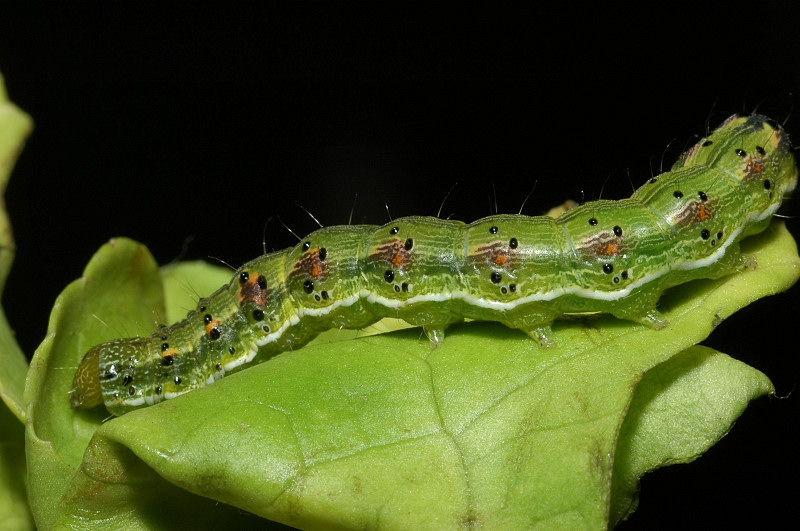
(587, 293)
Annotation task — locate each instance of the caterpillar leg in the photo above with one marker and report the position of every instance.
(542, 334)
(641, 308)
(653, 318)
(435, 334)
(747, 262)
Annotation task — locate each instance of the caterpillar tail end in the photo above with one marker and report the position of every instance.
(86, 392)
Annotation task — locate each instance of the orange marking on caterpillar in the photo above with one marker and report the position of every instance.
(251, 291)
(694, 212)
(754, 167)
(393, 252)
(212, 330)
(311, 264)
(168, 355)
(610, 249)
(603, 244)
(494, 253)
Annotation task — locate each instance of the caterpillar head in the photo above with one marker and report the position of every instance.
(86, 392)
(755, 150)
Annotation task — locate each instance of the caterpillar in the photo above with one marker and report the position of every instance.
(615, 257)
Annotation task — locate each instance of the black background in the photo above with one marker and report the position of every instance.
(187, 126)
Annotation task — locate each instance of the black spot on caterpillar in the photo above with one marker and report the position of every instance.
(616, 257)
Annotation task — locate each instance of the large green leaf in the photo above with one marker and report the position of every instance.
(15, 126)
(679, 410)
(82, 316)
(14, 511)
(385, 431)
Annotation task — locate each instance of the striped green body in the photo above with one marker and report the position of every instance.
(606, 256)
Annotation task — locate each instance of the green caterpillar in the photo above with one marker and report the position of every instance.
(616, 257)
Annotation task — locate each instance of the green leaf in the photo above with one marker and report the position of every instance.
(680, 409)
(14, 511)
(119, 294)
(383, 431)
(15, 126)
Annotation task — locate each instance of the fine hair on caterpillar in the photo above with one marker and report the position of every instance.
(615, 257)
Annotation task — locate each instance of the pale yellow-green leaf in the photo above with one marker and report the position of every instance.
(15, 126)
(385, 431)
(679, 410)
